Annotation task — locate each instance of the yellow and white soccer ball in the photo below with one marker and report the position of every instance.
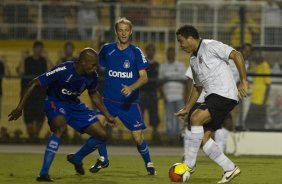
(179, 172)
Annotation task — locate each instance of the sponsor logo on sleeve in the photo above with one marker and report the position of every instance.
(56, 70)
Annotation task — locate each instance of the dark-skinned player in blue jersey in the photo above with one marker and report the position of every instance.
(64, 84)
(125, 72)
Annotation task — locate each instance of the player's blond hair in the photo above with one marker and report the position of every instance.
(124, 21)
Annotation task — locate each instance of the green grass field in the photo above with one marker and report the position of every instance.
(23, 168)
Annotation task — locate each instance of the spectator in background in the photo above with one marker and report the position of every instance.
(148, 92)
(172, 91)
(68, 53)
(87, 21)
(256, 117)
(272, 20)
(249, 30)
(30, 67)
(4, 71)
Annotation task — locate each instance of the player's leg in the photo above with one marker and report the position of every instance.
(213, 151)
(198, 118)
(57, 126)
(219, 107)
(143, 149)
(103, 160)
(93, 127)
(131, 116)
(187, 130)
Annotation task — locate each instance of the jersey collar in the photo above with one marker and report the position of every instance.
(196, 52)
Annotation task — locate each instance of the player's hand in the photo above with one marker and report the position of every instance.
(243, 89)
(111, 121)
(181, 114)
(15, 114)
(126, 90)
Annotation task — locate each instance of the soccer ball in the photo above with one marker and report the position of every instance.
(179, 172)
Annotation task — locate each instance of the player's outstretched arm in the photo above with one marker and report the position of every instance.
(97, 100)
(240, 65)
(17, 112)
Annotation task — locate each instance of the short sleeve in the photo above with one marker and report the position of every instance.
(51, 76)
(188, 73)
(102, 56)
(140, 59)
(220, 50)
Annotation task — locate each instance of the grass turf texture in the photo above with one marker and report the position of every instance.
(23, 168)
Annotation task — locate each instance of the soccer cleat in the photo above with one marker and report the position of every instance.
(151, 169)
(229, 175)
(78, 167)
(192, 170)
(99, 165)
(44, 178)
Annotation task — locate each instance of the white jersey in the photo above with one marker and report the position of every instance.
(211, 71)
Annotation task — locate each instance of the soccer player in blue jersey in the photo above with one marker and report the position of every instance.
(64, 84)
(125, 72)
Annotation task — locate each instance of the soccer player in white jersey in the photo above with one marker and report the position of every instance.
(212, 74)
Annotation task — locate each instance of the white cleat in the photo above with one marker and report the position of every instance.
(229, 175)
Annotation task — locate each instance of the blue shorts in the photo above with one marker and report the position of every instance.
(129, 113)
(77, 115)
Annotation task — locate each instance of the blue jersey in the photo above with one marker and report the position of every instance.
(121, 67)
(64, 84)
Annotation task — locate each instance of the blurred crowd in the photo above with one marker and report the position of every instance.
(84, 19)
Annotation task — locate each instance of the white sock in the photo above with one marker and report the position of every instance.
(194, 143)
(187, 134)
(220, 138)
(213, 151)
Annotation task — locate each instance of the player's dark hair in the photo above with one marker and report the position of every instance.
(188, 30)
(124, 21)
(38, 44)
(86, 53)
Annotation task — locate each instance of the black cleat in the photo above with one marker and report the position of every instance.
(78, 167)
(151, 169)
(44, 178)
(99, 165)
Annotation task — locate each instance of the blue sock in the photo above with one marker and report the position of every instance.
(50, 152)
(103, 151)
(144, 151)
(89, 146)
